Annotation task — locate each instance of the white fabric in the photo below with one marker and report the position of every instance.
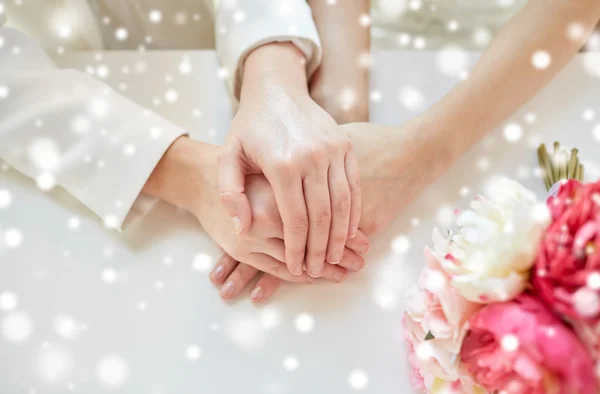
(243, 25)
(66, 128)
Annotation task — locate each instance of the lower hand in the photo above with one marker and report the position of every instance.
(279, 131)
(388, 158)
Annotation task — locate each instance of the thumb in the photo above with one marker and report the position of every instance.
(231, 186)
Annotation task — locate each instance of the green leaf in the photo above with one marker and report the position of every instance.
(429, 336)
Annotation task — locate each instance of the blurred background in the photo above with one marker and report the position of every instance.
(435, 24)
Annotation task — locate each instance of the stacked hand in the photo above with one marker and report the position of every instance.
(381, 170)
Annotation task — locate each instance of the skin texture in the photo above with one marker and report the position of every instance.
(341, 84)
(186, 178)
(502, 81)
(280, 132)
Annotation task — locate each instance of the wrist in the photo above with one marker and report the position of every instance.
(277, 63)
(184, 174)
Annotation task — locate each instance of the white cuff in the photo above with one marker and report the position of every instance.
(244, 25)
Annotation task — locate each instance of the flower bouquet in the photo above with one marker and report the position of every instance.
(509, 303)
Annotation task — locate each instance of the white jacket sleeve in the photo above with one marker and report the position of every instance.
(64, 128)
(243, 25)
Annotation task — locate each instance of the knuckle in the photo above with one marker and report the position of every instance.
(275, 269)
(323, 218)
(345, 145)
(354, 185)
(338, 239)
(299, 224)
(342, 204)
(318, 255)
(297, 252)
(284, 165)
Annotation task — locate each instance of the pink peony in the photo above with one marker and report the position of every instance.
(567, 271)
(434, 327)
(520, 347)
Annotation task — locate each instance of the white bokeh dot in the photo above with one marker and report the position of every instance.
(445, 215)
(202, 262)
(108, 275)
(269, 318)
(541, 60)
(239, 16)
(246, 332)
(401, 244)
(304, 322)
(576, 31)
(121, 34)
(291, 363)
(586, 302)
(54, 364)
(588, 114)
(155, 16)
(513, 132)
(530, 118)
(66, 327)
(17, 327)
(5, 198)
(4, 92)
(358, 379)
(112, 371)
(13, 238)
(452, 61)
(596, 132)
(385, 297)
(129, 149)
(44, 154)
(185, 67)
(171, 95)
(509, 343)
(193, 352)
(593, 281)
(8, 301)
(73, 222)
(411, 98)
(364, 20)
(45, 181)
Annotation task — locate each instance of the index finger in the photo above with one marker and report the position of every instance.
(289, 197)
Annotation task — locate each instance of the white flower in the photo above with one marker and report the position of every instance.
(490, 257)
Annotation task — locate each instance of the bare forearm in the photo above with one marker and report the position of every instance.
(183, 174)
(509, 73)
(280, 63)
(344, 29)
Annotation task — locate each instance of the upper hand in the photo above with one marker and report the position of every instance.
(279, 131)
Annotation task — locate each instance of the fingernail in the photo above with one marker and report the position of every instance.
(356, 266)
(365, 248)
(314, 273)
(217, 272)
(228, 289)
(339, 277)
(237, 225)
(352, 235)
(257, 294)
(297, 270)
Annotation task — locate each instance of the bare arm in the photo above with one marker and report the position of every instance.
(341, 84)
(508, 74)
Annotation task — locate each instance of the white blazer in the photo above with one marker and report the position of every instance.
(56, 125)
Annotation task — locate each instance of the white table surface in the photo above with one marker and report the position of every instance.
(158, 305)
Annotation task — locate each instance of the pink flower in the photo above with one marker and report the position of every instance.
(434, 327)
(567, 271)
(520, 347)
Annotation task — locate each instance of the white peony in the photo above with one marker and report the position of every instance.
(490, 256)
